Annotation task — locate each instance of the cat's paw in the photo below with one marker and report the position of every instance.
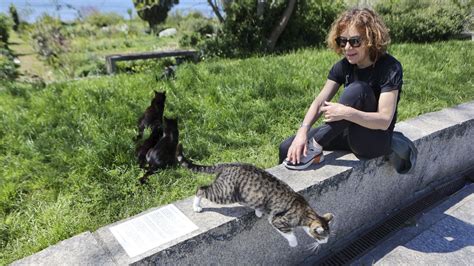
(293, 243)
(197, 209)
(258, 213)
(323, 241)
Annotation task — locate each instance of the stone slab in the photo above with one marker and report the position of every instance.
(82, 249)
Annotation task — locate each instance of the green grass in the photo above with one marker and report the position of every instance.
(66, 149)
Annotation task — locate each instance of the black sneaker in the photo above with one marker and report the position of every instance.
(314, 155)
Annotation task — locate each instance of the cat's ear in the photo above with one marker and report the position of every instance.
(328, 217)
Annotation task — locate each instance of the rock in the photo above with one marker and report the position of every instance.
(123, 28)
(168, 32)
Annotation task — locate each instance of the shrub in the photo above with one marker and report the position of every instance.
(310, 24)
(244, 33)
(194, 28)
(423, 21)
(5, 25)
(190, 39)
(155, 66)
(92, 67)
(49, 39)
(195, 22)
(100, 20)
(7, 68)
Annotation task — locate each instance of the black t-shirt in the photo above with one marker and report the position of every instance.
(385, 75)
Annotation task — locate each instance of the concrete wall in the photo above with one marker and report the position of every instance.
(359, 193)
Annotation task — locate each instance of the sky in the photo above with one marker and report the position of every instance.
(29, 10)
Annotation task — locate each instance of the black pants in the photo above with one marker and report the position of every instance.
(348, 136)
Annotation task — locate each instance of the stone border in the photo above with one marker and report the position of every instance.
(359, 192)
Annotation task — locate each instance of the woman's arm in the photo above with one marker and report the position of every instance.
(314, 112)
(298, 146)
(373, 120)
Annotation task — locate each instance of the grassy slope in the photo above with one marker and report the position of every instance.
(67, 150)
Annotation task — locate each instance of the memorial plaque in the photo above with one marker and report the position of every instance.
(151, 230)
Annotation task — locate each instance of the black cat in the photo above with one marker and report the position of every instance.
(153, 116)
(163, 154)
(150, 142)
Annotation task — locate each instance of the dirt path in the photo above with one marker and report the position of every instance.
(30, 66)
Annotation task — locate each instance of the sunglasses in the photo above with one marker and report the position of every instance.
(355, 41)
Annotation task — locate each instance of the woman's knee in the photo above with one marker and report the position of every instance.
(359, 95)
(356, 89)
(360, 86)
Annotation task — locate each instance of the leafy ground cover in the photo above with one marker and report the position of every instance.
(66, 149)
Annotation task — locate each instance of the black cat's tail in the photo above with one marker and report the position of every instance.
(186, 163)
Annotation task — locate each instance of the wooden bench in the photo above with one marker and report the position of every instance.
(110, 60)
(467, 35)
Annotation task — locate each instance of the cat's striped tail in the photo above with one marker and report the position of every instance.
(186, 163)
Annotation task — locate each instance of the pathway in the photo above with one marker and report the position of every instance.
(30, 66)
(442, 236)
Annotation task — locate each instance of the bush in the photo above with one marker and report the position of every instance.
(144, 66)
(195, 22)
(423, 21)
(194, 28)
(190, 39)
(93, 67)
(49, 39)
(244, 33)
(7, 68)
(5, 25)
(100, 20)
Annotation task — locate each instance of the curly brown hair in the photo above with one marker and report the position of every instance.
(371, 27)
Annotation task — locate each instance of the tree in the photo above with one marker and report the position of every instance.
(15, 17)
(264, 26)
(280, 27)
(154, 11)
(214, 7)
(277, 29)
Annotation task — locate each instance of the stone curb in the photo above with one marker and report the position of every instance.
(359, 192)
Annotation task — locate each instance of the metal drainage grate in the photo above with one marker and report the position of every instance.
(365, 243)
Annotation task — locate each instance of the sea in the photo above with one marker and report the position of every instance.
(30, 10)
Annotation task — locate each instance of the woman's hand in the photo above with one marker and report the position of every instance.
(298, 146)
(334, 111)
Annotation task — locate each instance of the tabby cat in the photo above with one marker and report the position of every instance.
(258, 189)
(153, 116)
(163, 154)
